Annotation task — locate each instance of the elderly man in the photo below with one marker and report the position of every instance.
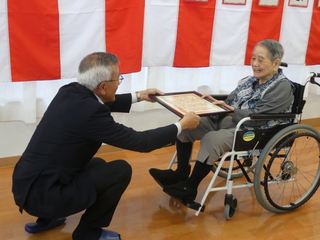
(267, 91)
(57, 175)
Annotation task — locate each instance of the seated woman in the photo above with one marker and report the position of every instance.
(267, 91)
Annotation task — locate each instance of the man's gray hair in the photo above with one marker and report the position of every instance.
(96, 68)
(274, 48)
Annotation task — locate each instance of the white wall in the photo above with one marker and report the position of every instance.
(16, 135)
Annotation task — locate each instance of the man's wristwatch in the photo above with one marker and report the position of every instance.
(138, 96)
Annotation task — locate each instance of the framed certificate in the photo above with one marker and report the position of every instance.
(182, 102)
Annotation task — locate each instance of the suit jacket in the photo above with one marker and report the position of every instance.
(49, 175)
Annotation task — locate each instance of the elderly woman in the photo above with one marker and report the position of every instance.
(267, 91)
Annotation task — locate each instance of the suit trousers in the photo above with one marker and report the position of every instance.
(111, 180)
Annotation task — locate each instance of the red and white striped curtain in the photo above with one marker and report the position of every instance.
(45, 40)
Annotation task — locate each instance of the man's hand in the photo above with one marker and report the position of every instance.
(144, 95)
(190, 121)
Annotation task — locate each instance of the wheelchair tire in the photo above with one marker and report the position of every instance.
(288, 170)
(230, 208)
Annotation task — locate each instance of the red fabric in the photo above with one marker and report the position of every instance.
(34, 39)
(313, 50)
(124, 32)
(194, 34)
(265, 23)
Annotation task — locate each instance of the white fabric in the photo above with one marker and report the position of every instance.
(294, 32)
(82, 25)
(160, 28)
(5, 73)
(230, 33)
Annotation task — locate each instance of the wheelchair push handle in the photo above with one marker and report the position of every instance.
(316, 74)
(283, 64)
(312, 78)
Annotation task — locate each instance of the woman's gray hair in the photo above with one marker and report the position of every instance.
(96, 68)
(274, 48)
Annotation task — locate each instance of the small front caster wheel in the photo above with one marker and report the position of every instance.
(230, 206)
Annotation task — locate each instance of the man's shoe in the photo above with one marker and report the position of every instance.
(182, 192)
(109, 235)
(168, 177)
(43, 224)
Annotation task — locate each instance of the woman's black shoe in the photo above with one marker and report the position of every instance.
(168, 176)
(181, 192)
(164, 177)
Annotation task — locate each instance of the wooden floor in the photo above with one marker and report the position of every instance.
(146, 213)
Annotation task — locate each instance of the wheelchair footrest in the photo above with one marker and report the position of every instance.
(195, 206)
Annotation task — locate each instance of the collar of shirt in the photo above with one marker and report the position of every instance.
(133, 95)
(100, 101)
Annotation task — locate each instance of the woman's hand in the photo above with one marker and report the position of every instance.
(217, 102)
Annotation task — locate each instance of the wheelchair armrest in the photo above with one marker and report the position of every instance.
(219, 96)
(271, 116)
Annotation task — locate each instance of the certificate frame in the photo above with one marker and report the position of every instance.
(182, 102)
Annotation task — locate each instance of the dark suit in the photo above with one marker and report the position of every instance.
(50, 179)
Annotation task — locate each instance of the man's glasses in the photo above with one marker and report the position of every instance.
(119, 79)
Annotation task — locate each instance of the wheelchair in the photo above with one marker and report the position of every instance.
(284, 161)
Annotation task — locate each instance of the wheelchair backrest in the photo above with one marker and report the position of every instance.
(298, 102)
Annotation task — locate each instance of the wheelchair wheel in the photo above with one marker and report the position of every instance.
(231, 203)
(288, 170)
(248, 164)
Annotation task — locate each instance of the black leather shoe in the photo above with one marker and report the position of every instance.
(109, 235)
(168, 176)
(181, 192)
(43, 224)
(164, 177)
